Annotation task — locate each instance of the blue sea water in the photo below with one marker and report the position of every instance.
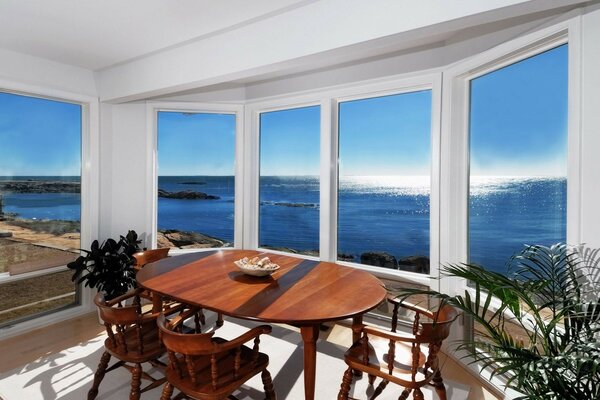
(63, 206)
(389, 214)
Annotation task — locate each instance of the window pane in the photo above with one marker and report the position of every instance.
(518, 133)
(384, 181)
(289, 180)
(196, 182)
(40, 201)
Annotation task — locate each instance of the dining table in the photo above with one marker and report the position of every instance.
(303, 292)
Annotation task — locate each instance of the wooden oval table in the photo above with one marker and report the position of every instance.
(302, 293)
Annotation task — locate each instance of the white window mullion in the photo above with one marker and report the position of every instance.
(328, 181)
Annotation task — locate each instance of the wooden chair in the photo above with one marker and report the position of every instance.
(147, 256)
(205, 367)
(398, 357)
(133, 339)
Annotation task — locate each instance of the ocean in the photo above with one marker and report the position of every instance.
(384, 214)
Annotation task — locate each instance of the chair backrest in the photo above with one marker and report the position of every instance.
(186, 349)
(147, 256)
(126, 325)
(427, 326)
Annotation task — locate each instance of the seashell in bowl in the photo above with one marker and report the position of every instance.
(256, 266)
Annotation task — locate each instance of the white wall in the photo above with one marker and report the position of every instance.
(124, 196)
(38, 72)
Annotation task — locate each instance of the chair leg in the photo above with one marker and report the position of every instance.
(372, 379)
(219, 320)
(418, 395)
(167, 392)
(99, 375)
(346, 382)
(438, 383)
(382, 385)
(136, 382)
(268, 384)
(404, 394)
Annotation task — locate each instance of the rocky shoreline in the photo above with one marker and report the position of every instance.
(31, 186)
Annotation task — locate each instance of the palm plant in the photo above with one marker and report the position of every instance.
(551, 297)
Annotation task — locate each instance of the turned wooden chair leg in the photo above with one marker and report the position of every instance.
(219, 320)
(136, 382)
(372, 379)
(346, 382)
(440, 388)
(404, 394)
(418, 395)
(382, 385)
(167, 392)
(99, 375)
(268, 385)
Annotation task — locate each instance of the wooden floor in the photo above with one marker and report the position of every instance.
(23, 349)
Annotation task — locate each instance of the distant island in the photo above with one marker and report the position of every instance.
(192, 183)
(288, 204)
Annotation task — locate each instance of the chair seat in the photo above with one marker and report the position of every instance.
(152, 347)
(378, 360)
(203, 388)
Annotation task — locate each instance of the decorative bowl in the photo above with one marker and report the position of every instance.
(256, 266)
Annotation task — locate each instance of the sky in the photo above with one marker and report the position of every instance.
(196, 144)
(518, 123)
(289, 141)
(518, 126)
(39, 137)
(388, 135)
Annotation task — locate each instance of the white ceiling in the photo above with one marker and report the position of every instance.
(96, 34)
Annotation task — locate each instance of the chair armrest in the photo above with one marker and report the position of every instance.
(410, 306)
(245, 337)
(395, 336)
(123, 297)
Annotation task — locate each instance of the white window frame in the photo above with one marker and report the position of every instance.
(455, 156)
(152, 110)
(89, 198)
(328, 100)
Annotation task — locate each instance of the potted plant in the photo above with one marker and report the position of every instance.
(542, 334)
(108, 267)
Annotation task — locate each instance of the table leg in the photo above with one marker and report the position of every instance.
(157, 302)
(310, 334)
(357, 320)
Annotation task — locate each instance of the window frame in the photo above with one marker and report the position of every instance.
(89, 177)
(455, 157)
(329, 99)
(153, 108)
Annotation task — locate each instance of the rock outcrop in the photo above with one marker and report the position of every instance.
(186, 195)
(419, 264)
(379, 259)
(187, 240)
(39, 187)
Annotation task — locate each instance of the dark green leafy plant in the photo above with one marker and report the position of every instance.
(108, 267)
(538, 327)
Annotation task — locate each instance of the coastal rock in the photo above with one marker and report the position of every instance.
(289, 204)
(379, 259)
(186, 195)
(39, 187)
(183, 239)
(345, 257)
(419, 264)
